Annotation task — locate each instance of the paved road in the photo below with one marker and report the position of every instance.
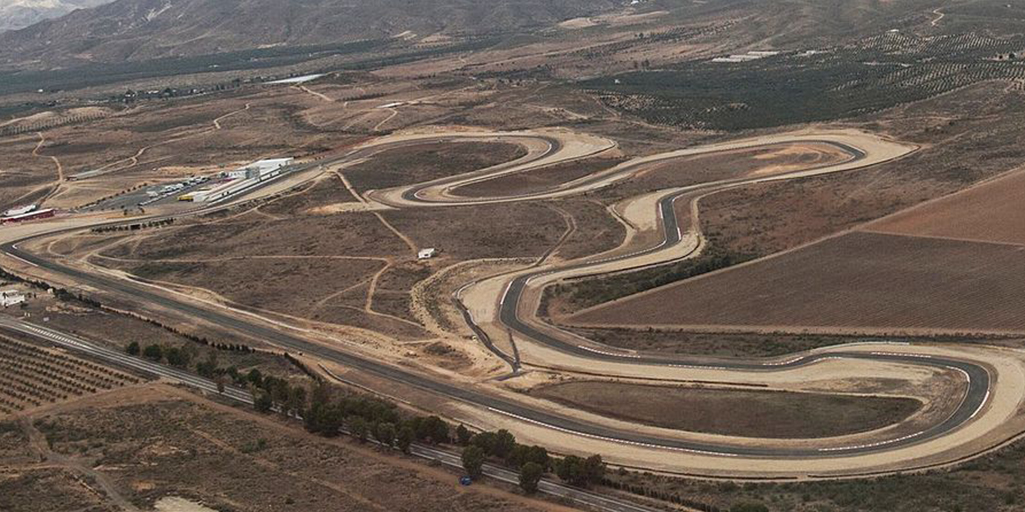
(973, 402)
(448, 458)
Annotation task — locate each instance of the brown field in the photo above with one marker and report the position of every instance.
(593, 229)
(991, 212)
(32, 376)
(424, 162)
(968, 136)
(733, 412)
(855, 281)
(155, 442)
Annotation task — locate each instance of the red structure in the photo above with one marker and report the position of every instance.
(25, 217)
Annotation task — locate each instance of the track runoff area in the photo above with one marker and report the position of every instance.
(975, 425)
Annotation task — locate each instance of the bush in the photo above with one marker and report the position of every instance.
(133, 349)
(153, 353)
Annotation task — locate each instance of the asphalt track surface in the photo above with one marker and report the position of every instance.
(974, 400)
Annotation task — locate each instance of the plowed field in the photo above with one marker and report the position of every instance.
(858, 281)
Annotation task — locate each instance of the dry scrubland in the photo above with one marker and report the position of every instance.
(536, 180)
(154, 442)
(159, 141)
(352, 268)
(732, 412)
(425, 162)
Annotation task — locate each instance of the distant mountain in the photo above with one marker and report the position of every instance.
(135, 30)
(17, 14)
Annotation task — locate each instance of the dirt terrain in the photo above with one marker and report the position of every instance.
(221, 457)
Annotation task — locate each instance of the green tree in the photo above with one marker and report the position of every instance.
(530, 476)
(473, 461)
(405, 438)
(177, 357)
(463, 435)
(385, 433)
(153, 353)
(505, 442)
(594, 470)
(523, 454)
(433, 429)
(358, 427)
(569, 468)
(133, 348)
(263, 402)
(581, 472)
(485, 441)
(296, 400)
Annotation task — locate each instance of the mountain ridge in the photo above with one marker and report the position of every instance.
(137, 30)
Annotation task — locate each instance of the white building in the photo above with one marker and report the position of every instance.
(426, 254)
(260, 168)
(21, 210)
(11, 298)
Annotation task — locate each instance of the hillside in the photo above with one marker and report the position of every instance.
(17, 14)
(136, 30)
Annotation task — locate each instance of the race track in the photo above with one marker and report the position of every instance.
(510, 302)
